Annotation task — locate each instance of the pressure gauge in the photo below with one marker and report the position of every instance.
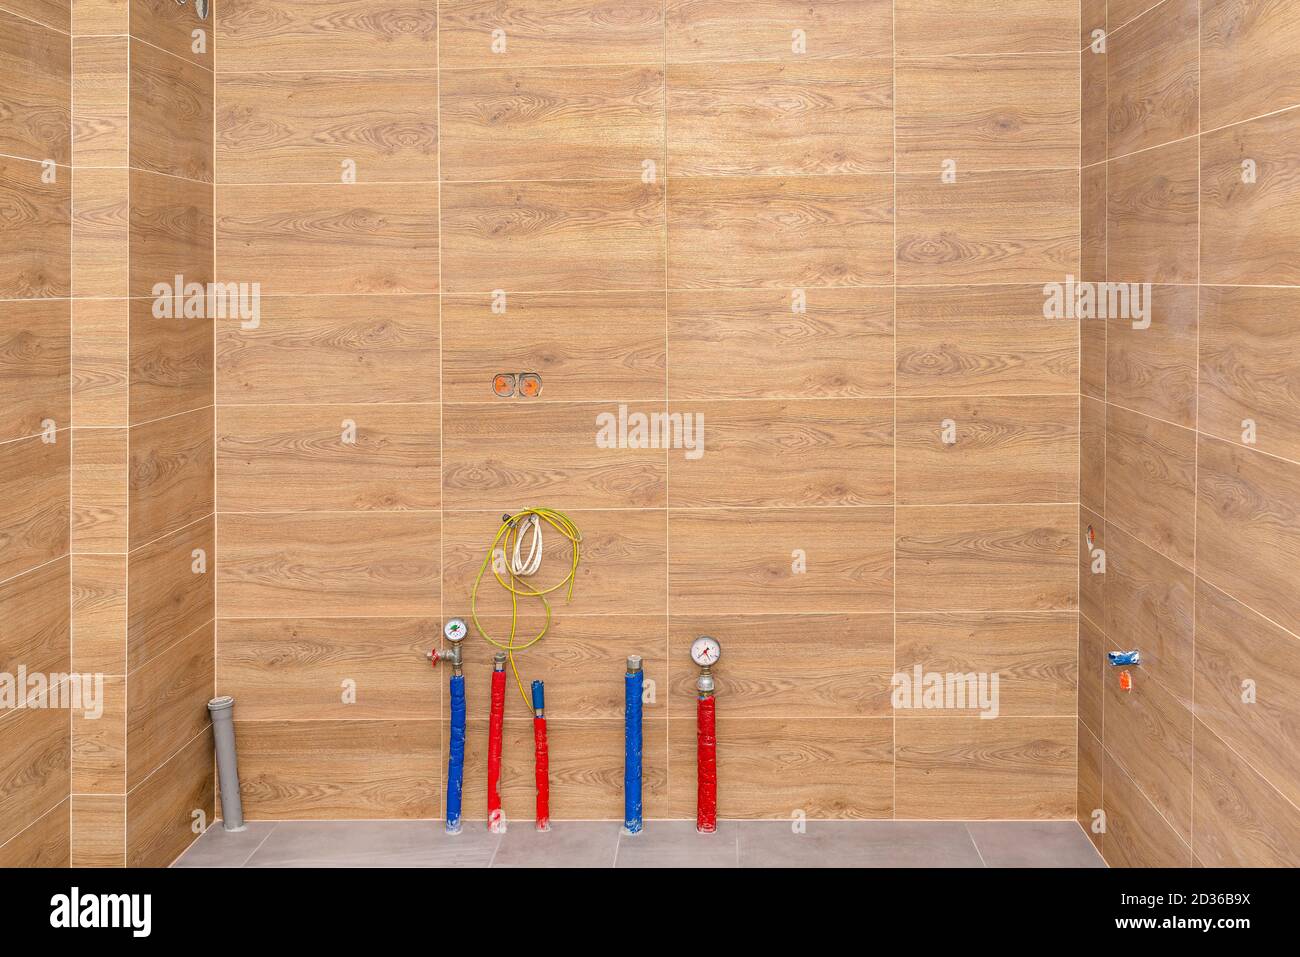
(705, 651)
(454, 630)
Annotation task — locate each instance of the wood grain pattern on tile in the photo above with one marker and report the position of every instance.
(1092, 572)
(570, 455)
(1151, 366)
(45, 843)
(1247, 348)
(1093, 223)
(968, 340)
(1137, 835)
(336, 239)
(987, 558)
(1250, 231)
(35, 356)
(100, 232)
(1001, 112)
(36, 77)
(34, 502)
(328, 564)
(536, 237)
(160, 812)
(827, 343)
(327, 34)
(781, 560)
(171, 363)
(100, 100)
(36, 633)
(171, 114)
(100, 362)
(1093, 105)
(1091, 764)
(35, 745)
(301, 127)
(584, 345)
(1248, 60)
(49, 13)
(544, 33)
(168, 698)
(1093, 674)
(1152, 79)
(931, 27)
(1033, 654)
(170, 474)
(579, 122)
(99, 614)
(1022, 449)
(169, 26)
(1151, 215)
(1092, 454)
(99, 490)
(98, 823)
(828, 116)
(988, 228)
(1248, 528)
(755, 232)
(765, 30)
(324, 349)
(99, 742)
(167, 596)
(284, 458)
(973, 769)
(1151, 482)
(770, 677)
(39, 266)
(170, 232)
(790, 452)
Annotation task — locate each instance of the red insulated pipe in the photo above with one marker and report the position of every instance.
(496, 820)
(706, 819)
(543, 776)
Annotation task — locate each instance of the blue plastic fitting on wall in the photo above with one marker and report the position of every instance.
(456, 757)
(633, 682)
(1123, 658)
(539, 696)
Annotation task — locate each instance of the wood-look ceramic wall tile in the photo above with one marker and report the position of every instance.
(99, 614)
(1094, 672)
(1092, 759)
(1122, 13)
(572, 455)
(826, 343)
(541, 33)
(171, 363)
(584, 345)
(1236, 651)
(1093, 228)
(622, 572)
(100, 17)
(1241, 821)
(98, 823)
(167, 593)
(750, 232)
(1152, 78)
(1020, 449)
(1000, 112)
(322, 349)
(849, 677)
(1247, 368)
(1250, 231)
(35, 355)
(1092, 570)
(36, 633)
(1151, 215)
(40, 266)
(573, 122)
(285, 458)
(790, 452)
(44, 843)
(784, 119)
(931, 27)
(170, 474)
(303, 127)
(99, 742)
(336, 239)
(1151, 482)
(171, 114)
(35, 747)
(823, 768)
(170, 232)
(99, 362)
(1149, 732)
(988, 228)
(160, 812)
(49, 13)
(1092, 16)
(36, 80)
(170, 26)
(1137, 835)
(1034, 655)
(99, 490)
(972, 769)
(987, 558)
(1149, 606)
(168, 699)
(328, 35)
(100, 233)
(1151, 361)
(340, 770)
(781, 560)
(1248, 528)
(1092, 454)
(538, 237)
(1093, 105)
(34, 502)
(969, 340)
(329, 564)
(1248, 60)
(777, 30)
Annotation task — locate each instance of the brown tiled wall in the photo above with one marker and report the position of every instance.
(1199, 520)
(652, 191)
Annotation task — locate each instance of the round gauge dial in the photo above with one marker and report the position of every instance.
(705, 651)
(454, 630)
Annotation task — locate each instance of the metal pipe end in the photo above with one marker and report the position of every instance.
(633, 664)
(704, 683)
(499, 661)
(222, 703)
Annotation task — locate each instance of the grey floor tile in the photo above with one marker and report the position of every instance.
(375, 844)
(857, 844)
(1034, 844)
(218, 847)
(678, 844)
(566, 844)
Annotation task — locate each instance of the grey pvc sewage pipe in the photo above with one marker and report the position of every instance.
(222, 710)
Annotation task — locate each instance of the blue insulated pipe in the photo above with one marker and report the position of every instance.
(633, 684)
(456, 759)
